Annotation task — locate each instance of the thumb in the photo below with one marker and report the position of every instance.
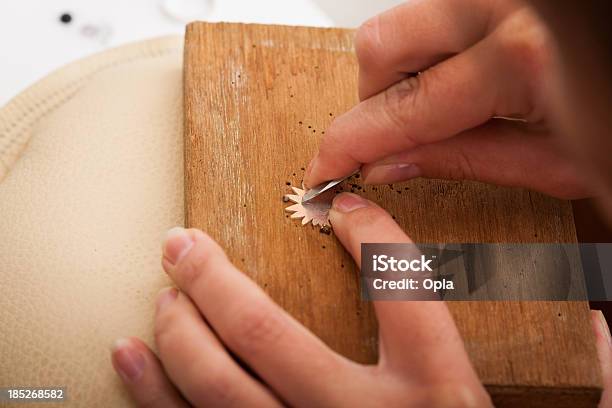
(357, 220)
(408, 330)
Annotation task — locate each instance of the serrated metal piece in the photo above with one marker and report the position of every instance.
(315, 211)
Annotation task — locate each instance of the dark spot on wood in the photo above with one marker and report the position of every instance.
(302, 168)
(331, 114)
(323, 246)
(342, 265)
(309, 127)
(288, 183)
(314, 131)
(300, 122)
(393, 216)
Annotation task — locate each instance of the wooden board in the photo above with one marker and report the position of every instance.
(257, 101)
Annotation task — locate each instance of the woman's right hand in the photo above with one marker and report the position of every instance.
(477, 60)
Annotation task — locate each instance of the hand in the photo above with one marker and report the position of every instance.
(477, 60)
(218, 314)
(603, 341)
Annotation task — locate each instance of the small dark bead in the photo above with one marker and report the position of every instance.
(66, 18)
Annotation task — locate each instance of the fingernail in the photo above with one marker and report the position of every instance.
(391, 173)
(347, 202)
(309, 170)
(129, 362)
(605, 329)
(176, 244)
(165, 297)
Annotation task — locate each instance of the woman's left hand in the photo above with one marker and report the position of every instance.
(218, 313)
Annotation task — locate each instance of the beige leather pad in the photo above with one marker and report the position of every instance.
(92, 167)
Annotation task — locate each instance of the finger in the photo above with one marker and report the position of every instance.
(197, 362)
(143, 375)
(414, 36)
(295, 363)
(416, 336)
(458, 94)
(501, 152)
(603, 342)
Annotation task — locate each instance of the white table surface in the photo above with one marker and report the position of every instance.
(33, 42)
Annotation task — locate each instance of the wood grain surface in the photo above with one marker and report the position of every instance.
(257, 102)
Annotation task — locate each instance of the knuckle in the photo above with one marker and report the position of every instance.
(400, 100)
(162, 333)
(368, 46)
(460, 167)
(528, 51)
(334, 143)
(526, 44)
(193, 267)
(258, 328)
(332, 138)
